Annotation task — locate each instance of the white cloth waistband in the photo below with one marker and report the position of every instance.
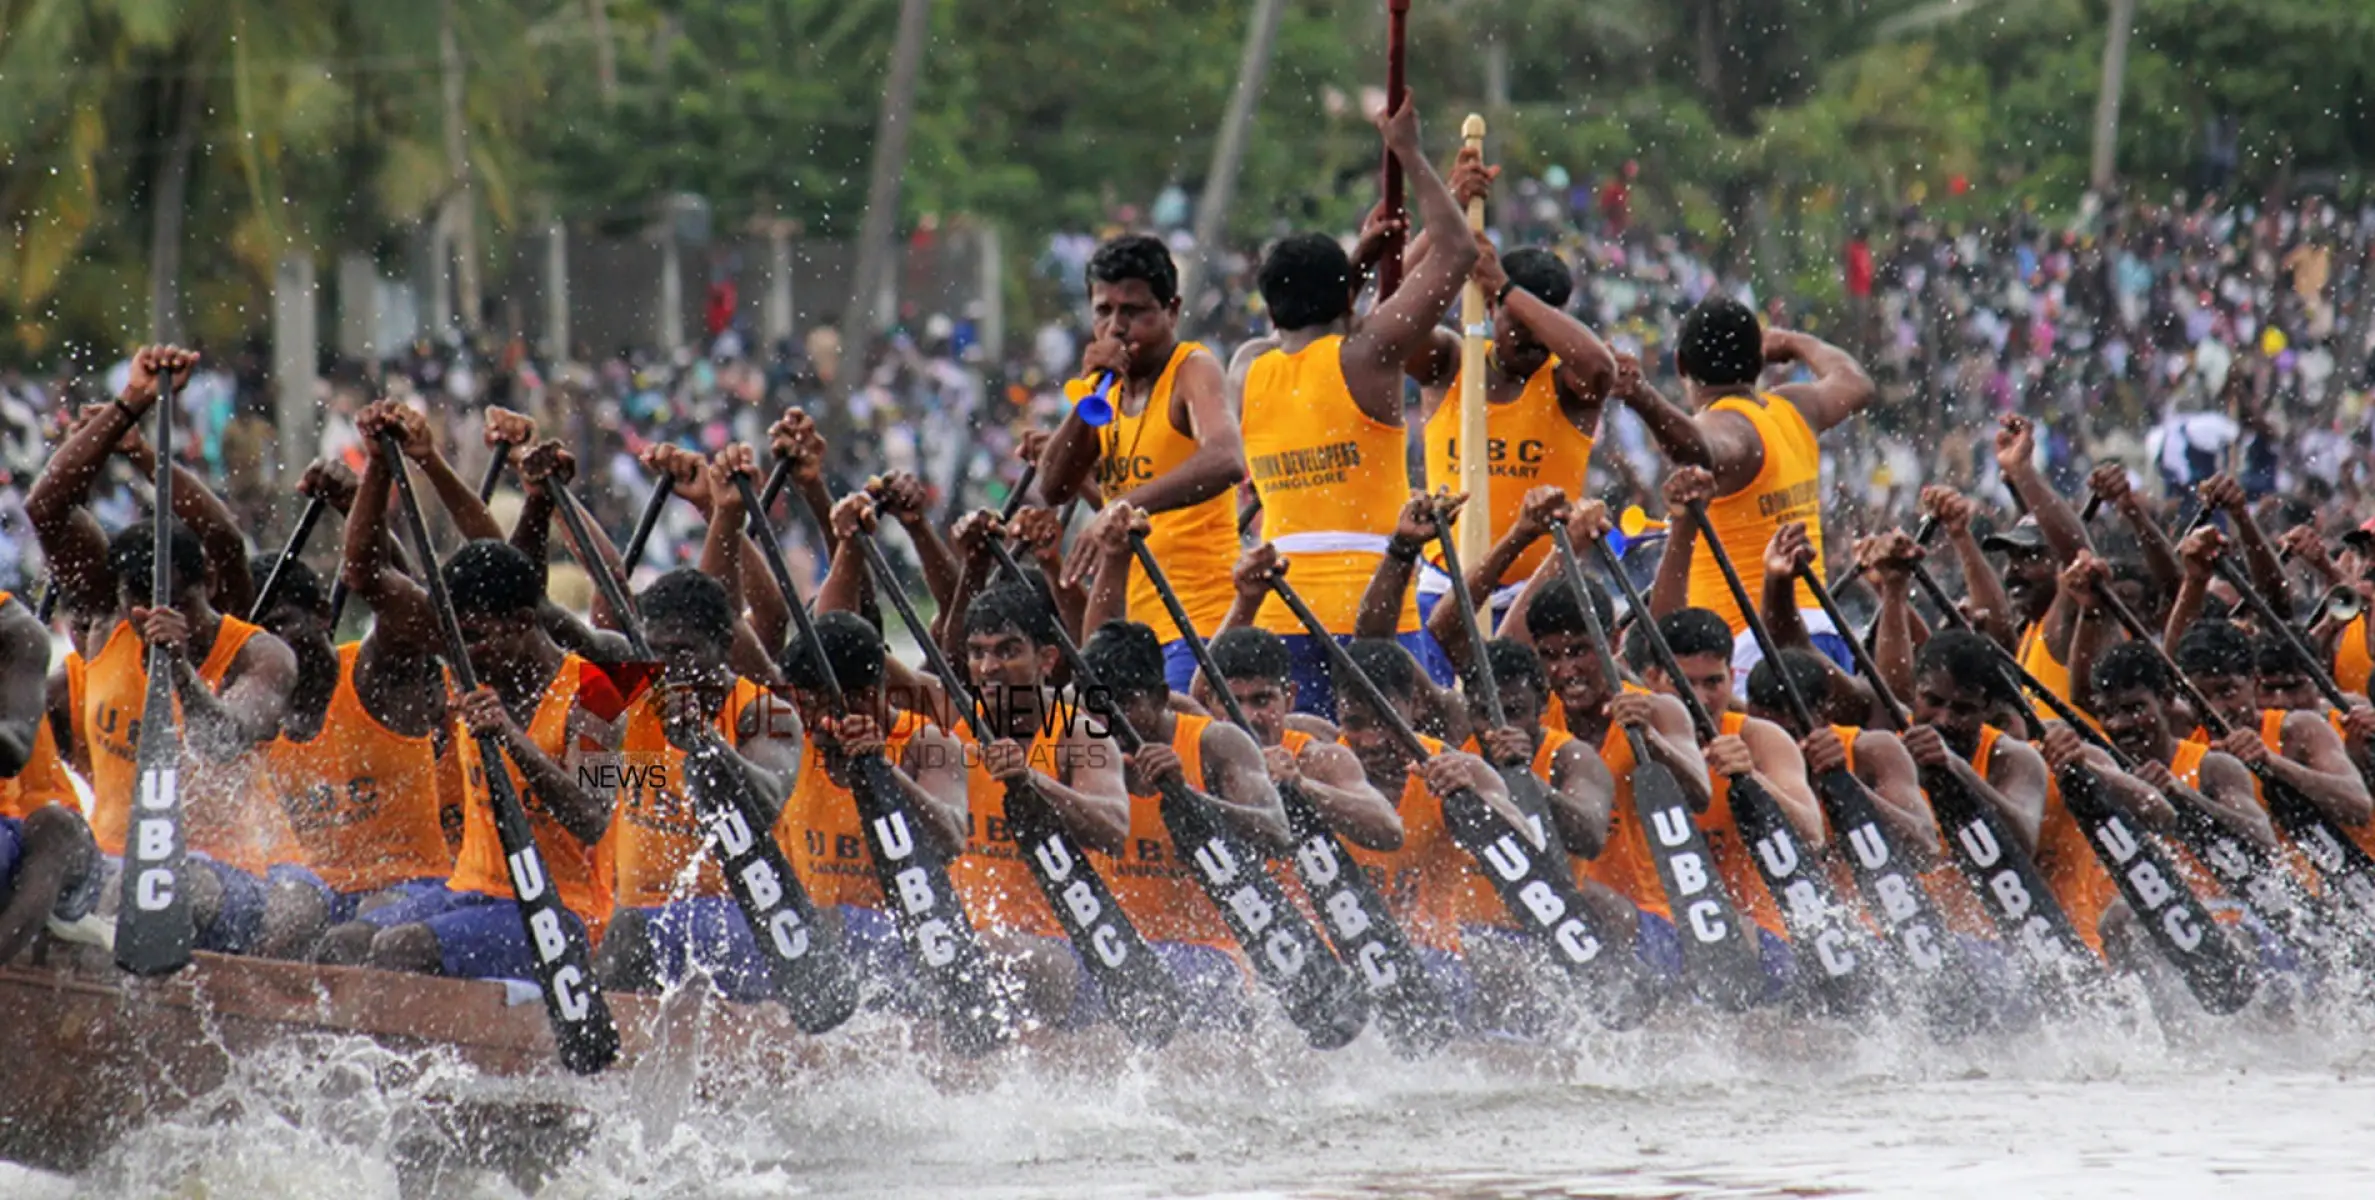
(1432, 581)
(1330, 542)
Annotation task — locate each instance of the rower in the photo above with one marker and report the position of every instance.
(529, 704)
(1323, 420)
(1758, 443)
(1744, 745)
(1010, 651)
(820, 829)
(1258, 670)
(2299, 747)
(232, 682)
(2036, 549)
(1149, 878)
(49, 867)
(1171, 448)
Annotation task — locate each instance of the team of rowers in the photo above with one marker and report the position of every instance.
(336, 799)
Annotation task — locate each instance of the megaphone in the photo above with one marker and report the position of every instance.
(1634, 528)
(1096, 408)
(2341, 605)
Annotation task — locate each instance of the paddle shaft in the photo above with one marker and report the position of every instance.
(155, 929)
(645, 522)
(1389, 267)
(307, 518)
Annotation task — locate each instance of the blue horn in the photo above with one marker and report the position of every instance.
(1096, 411)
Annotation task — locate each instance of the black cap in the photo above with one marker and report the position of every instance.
(2024, 535)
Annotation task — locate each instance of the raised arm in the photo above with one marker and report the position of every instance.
(1582, 356)
(2109, 483)
(403, 621)
(1070, 454)
(460, 498)
(2223, 493)
(796, 437)
(1249, 581)
(1107, 554)
(903, 498)
(1670, 588)
(1839, 389)
(1991, 605)
(1683, 441)
(2196, 556)
(2016, 458)
(1788, 551)
(1888, 560)
(1375, 351)
(77, 549)
(1542, 506)
(1380, 611)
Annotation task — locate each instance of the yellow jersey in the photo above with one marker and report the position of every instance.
(1788, 487)
(1197, 545)
(1532, 443)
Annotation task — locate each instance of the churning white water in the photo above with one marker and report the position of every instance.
(2110, 1104)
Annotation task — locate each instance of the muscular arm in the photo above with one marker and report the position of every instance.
(2160, 556)
(1892, 642)
(1351, 805)
(1895, 782)
(1671, 740)
(768, 744)
(1679, 438)
(1218, 463)
(1670, 588)
(1986, 588)
(1839, 389)
(1580, 352)
(1781, 769)
(1238, 781)
(2134, 797)
(554, 785)
(1093, 803)
(2317, 765)
(932, 553)
(247, 713)
(2014, 786)
(2226, 797)
(218, 531)
(76, 548)
(460, 499)
(1582, 793)
(931, 770)
(2064, 533)
(1374, 353)
(1380, 612)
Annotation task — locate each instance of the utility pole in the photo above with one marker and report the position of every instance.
(2115, 71)
(882, 190)
(1212, 211)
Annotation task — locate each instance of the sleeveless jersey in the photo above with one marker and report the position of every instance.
(1421, 881)
(2064, 858)
(2037, 659)
(820, 831)
(2185, 762)
(1953, 891)
(1294, 740)
(997, 887)
(1531, 443)
(1624, 864)
(1149, 880)
(43, 779)
(361, 799)
(1731, 849)
(1479, 904)
(229, 811)
(1788, 487)
(658, 846)
(580, 874)
(2353, 667)
(1197, 545)
(1331, 480)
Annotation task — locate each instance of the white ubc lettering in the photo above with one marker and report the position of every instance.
(156, 840)
(1921, 949)
(1673, 826)
(545, 926)
(1082, 900)
(1830, 949)
(155, 893)
(1318, 859)
(1870, 850)
(788, 934)
(2151, 888)
(760, 881)
(1251, 909)
(1979, 842)
(1896, 896)
(1285, 952)
(1346, 915)
(2181, 927)
(939, 946)
(1213, 858)
(733, 833)
(1543, 901)
(1575, 940)
(1780, 855)
(1376, 967)
(1055, 858)
(1704, 924)
(2012, 897)
(527, 875)
(915, 890)
(1108, 945)
(1690, 874)
(570, 995)
(897, 841)
(1507, 859)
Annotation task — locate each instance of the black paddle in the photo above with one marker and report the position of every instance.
(154, 929)
(1537, 887)
(1821, 927)
(1412, 1010)
(645, 522)
(1720, 959)
(909, 867)
(2018, 900)
(1526, 790)
(1319, 995)
(307, 518)
(582, 1027)
(812, 975)
(1892, 888)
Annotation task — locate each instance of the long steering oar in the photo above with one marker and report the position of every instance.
(154, 929)
(1535, 885)
(2018, 900)
(582, 1027)
(1413, 1012)
(1720, 961)
(805, 961)
(1319, 995)
(909, 867)
(1822, 929)
(1892, 890)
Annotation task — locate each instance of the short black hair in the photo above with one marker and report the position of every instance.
(2277, 657)
(852, 647)
(1250, 652)
(1721, 344)
(1511, 663)
(489, 578)
(1137, 256)
(696, 600)
(1554, 609)
(1387, 665)
(2131, 665)
(1013, 605)
(1306, 280)
(1127, 658)
(300, 585)
(1541, 272)
(1692, 631)
(1969, 659)
(1808, 670)
(2216, 648)
(132, 555)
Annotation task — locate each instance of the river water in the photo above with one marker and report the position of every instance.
(1696, 1104)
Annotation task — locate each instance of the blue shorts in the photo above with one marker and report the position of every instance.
(478, 936)
(1211, 988)
(886, 975)
(342, 905)
(1315, 686)
(1179, 666)
(240, 922)
(1659, 947)
(706, 934)
(1835, 648)
(78, 895)
(2003, 989)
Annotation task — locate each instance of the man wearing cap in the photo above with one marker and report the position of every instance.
(2043, 622)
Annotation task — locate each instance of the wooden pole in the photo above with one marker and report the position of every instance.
(1476, 522)
(1389, 269)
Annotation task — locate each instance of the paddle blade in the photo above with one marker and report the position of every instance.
(153, 927)
(1719, 951)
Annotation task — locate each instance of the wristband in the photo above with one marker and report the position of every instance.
(1502, 296)
(1401, 550)
(129, 413)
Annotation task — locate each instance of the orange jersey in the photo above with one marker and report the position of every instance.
(823, 836)
(362, 800)
(1624, 864)
(997, 887)
(1332, 481)
(2353, 666)
(1423, 880)
(1149, 879)
(1531, 443)
(1478, 903)
(2064, 856)
(1956, 895)
(1730, 847)
(658, 845)
(580, 874)
(2037, 659)
(229, 811)
(43, 779)
(1197, 545)
(1788, 487)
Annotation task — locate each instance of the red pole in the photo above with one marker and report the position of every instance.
(1389, 270)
